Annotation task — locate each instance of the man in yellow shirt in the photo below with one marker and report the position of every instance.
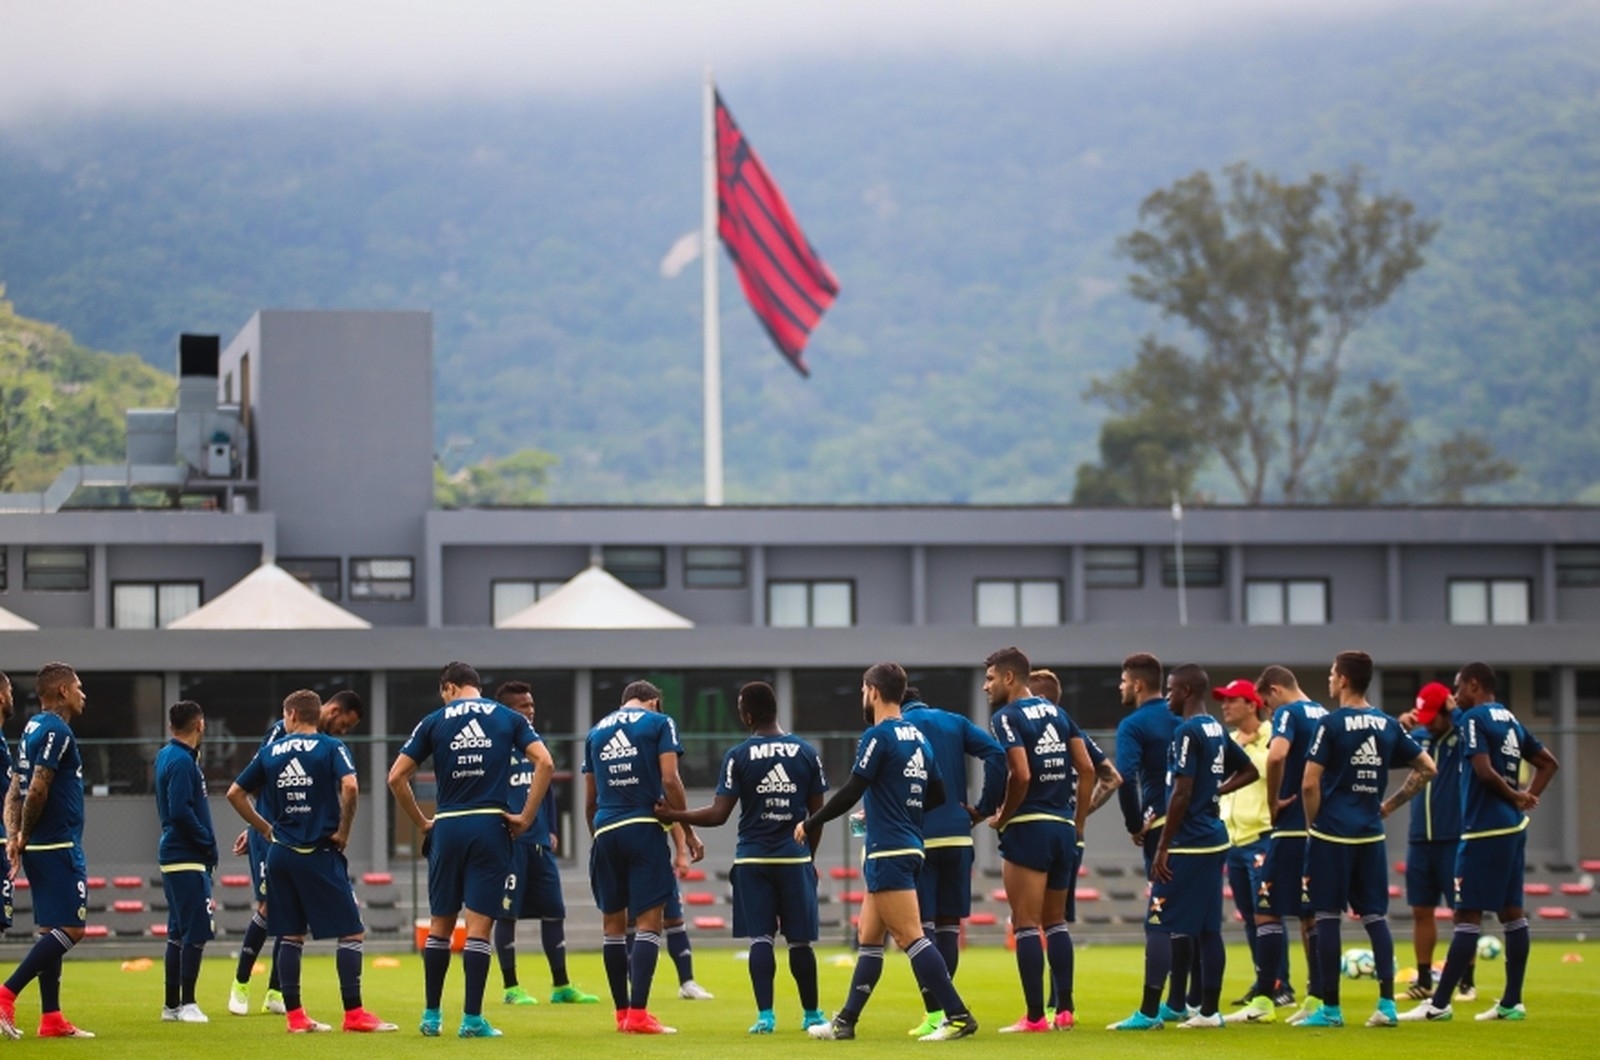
(1245, 811)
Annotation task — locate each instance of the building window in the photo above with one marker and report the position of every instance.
(55, 570)
(1018, 603)
(1202, 567)
(1578, 568)
(1286, 602)
(793, 604)
(640, 566)
(706, 567)
(1490, 601)
(506, 598)
(382, 578)
(321, 575)
(1112, 567)
(152, 605)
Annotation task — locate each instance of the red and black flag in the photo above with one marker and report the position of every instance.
(786, 281)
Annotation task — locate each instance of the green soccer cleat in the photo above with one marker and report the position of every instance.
(475, 1027)
(1258, 1009)
(1303, 1013)
(1326, 1016)
(766, 1022)
(239, 999)
(431, 1023)
(569, 994)
(273, 1003)
(517, 996)
(929, 1024)
(1516, 1013)
(1137, 1022)
(953, 1028)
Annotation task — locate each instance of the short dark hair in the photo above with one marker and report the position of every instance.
(349, 700)
(183, 714)
(513, 688)
(1010, 661)
(643, 691)
(1194, 679)
(1356, 668)
(1276, 676)
(4, 680)
(1481, 673)
(460, 675)
(758, 700)
(912, 692)
(889, 679)
(1045, 683)
(305, 705)
(1143, 667)
(52, 678)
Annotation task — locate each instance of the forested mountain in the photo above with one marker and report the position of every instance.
(970, 210)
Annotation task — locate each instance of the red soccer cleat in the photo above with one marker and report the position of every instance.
(622, 1019)
(8, 1014)
(360, 1021)
(55, 1025)
(300, 1023)
(1063, 1021)
(640, 1021)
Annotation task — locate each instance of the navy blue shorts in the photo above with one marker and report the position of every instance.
(1072, 887)
(310, 891)
(630, 868)
(1191, 902)
(674, 907)
(1246, 865)
(257, 853)
(1489, 872)
(769, 898)
(1049, 847)
(189, 909)
(1152, 840)
(1281, 886)
(1431, 874)
(897, 872)
(944, 886)
(533, 890)
(59, 879)
(468, 862)
(1352, 876)
(7, 910)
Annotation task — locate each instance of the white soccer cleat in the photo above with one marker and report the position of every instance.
(693, 991)
(239, 999)
(169, 1015)
(191, 1013)
(1197, 1022)
(1426, 1013)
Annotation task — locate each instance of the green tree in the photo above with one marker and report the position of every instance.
(517, 479)
(1271, 279)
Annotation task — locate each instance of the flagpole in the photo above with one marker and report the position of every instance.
(710, 311)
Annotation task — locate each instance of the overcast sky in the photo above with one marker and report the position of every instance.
(94, 54)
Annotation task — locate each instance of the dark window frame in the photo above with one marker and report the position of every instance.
(30, 577)
(629, 574)
(161, 623)
(1196, 575)
(410, 581)
(288, 563)
(1581, 569)
(691, 568)
(1093, 572)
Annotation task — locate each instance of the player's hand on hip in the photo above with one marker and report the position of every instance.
(242, 844)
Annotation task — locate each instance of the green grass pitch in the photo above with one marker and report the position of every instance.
(122, 1007)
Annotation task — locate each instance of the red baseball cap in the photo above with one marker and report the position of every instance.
(1432, 698)
(1238, 688)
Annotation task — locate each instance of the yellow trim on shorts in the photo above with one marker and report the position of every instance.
(632, 820)
(1492, 833)
(1028, 817)
(1197, 850)
(771, 861)
(290, 846)
(467, 813)
(1158, 822)
(896, 853)
(49, 846)
(184, 866)
(947, 841)
(1288, 835)
(1347, 841)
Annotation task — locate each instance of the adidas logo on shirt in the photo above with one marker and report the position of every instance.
(619, 746)
(471, 736)
(777, 782)
(1367, 753)
(294, 775)
(1511, 748)
(916, 768)
(1050, 742)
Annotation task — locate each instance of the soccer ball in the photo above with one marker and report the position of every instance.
(1489, 948)
(1357, 964)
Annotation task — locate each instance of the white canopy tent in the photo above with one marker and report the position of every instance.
(10, 623)
(595, 599)
(269, 597)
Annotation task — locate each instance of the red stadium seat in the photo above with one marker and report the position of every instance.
(127, 883)
(983, 919)
(96, 931)
(694, 875)
(97, 883)
(710, 923)
(1590, 864)
(21, 882)
(128, 905)
(1394, 891)
(374, 879)
(1554, 912)
(699, 898)
(1577, 888)
(1399, 868)
(1087, 894)
(998, 895)
(1538, 890)
(852, 897)
(1227, 892)
(1083, 870)
(235, 880)
(844, 872)
(159, 930)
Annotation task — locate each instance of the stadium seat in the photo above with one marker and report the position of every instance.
(21, 897)
(1590, 864)
(844, 872)
(1083, 870)
(699, 898)
(127, 883)
(1538, 890)
(710, 923)
(158, 930)
(376, 878)
(378, 895)
(694, 875)
(235, 879)
(1394, 890)
(852, 897)
(1580, 888)
(233, 921)
(983, 919)
(1111, 870)
(96, 931)
(129, 923)
(1087, 894)
(127, 905)
(998, 895)
(384, 920)
(1554, 912)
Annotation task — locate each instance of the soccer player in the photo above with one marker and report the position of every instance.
(188, 856)
(1049, 778)
(1280, 893)
(896, 772)
(468, 839)
(1347, 861)
(944, 886)
(1186, 876)
(310, 783)
(44, 828)
(1491, 858)
(1143, 738)
(533, 890)
(7, 707)
(776, 780)
(1245, 812)
(340, 714)
(1435, 833)
(630, 763)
